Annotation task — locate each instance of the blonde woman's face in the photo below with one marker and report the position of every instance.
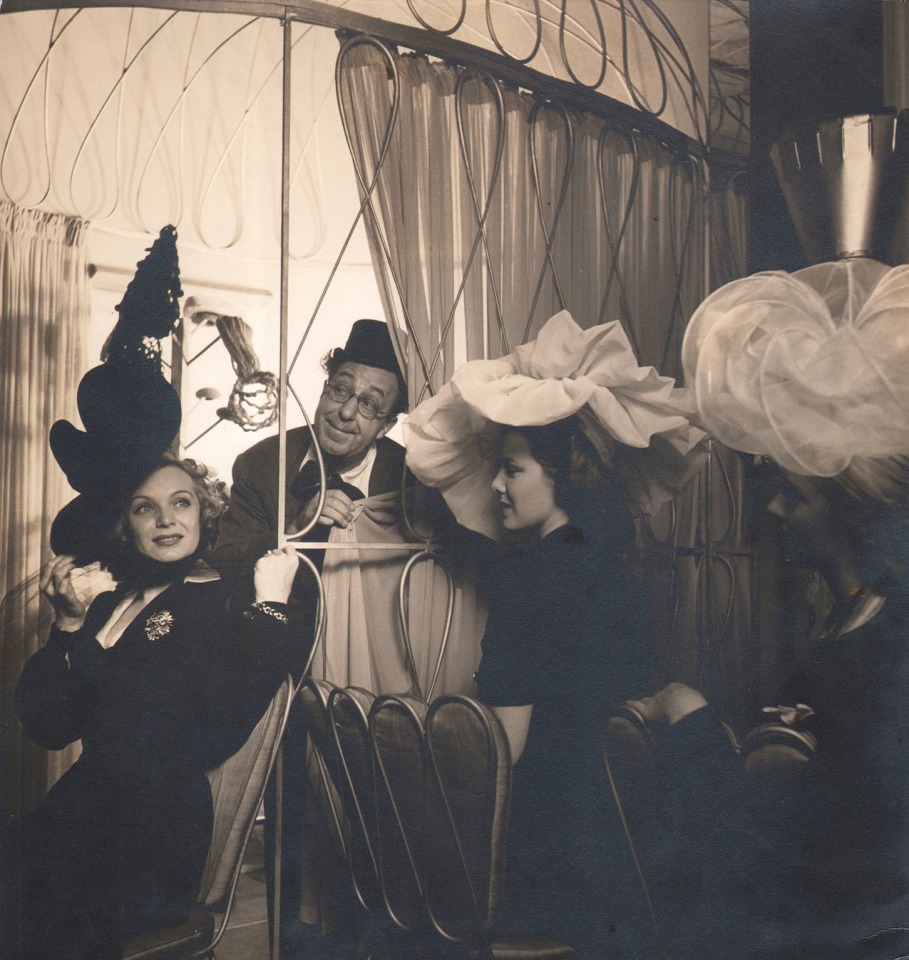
(164, 516)
(526, 491)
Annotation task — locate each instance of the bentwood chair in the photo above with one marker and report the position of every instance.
(776, 754)
(446, 788)
(347, 713)
(322, 764)
(237, 788)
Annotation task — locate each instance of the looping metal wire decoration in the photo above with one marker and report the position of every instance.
(686, 168)
(459, 20)
(538, 34)
(117, 184)
(601, 32)
(549, 232)
(482, 209)
(725, 517)
(368, 187)
(614, 237)
(425, 556)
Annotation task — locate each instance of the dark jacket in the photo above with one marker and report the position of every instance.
(568, 631)
(816, 872)
(119, 843)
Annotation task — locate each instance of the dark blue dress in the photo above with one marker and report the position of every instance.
(569, 632)
(119, 843)
(824, 872)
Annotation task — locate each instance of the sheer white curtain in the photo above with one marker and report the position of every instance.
(44, 313)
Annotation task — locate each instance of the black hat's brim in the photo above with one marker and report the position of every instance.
(83, 528)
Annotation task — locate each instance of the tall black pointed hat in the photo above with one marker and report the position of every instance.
(130, 412)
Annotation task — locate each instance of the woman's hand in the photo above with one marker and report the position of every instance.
(669, 705)
(56, 583)
(274, 574)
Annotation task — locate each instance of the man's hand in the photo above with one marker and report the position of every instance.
(669, 705)
(337, 511)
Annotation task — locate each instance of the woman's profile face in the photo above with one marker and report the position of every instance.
(526, 491)
(164, 516)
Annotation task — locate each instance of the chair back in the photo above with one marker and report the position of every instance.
(398, 742)
(425, 793)
(778, 755)
(348, 710)
(322, 763)
(237, 788)
(468, 792)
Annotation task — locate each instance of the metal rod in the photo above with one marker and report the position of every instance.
(318, 545)
(415, 38)
(285, 254)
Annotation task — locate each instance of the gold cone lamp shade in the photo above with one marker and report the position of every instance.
(844, 181)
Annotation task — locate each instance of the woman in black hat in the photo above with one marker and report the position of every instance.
(148, 663)
(161, 679)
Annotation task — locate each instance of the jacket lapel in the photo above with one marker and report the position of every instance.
(298, 442)
(388, 468)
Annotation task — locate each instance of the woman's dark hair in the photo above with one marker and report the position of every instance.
(127, 565)
(587, 487)
(331, 364)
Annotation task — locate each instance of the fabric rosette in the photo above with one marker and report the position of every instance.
(565, 371)
(809, 368)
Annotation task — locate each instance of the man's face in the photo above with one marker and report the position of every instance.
(344, 434)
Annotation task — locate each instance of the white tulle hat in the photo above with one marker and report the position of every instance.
(565, 371)
(810, 369)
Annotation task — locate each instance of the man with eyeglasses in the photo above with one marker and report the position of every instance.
(362, 396)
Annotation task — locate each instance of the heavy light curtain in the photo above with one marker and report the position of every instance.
(44, 313)
(488, 210)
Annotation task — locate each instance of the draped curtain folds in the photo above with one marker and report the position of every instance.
(44, 305)
(487, 204)
(488, 210)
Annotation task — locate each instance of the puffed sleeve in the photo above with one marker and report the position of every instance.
(50, 700)
(246, 529)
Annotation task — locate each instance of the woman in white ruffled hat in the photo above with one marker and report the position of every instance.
(809, 373)
(541, 451)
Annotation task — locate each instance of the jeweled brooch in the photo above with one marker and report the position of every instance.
(158, 625)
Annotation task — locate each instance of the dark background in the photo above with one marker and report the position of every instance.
(810, 59)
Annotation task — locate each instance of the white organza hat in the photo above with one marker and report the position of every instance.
(810, 369)
(565, 371)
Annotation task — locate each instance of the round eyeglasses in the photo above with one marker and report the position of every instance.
(367, 407)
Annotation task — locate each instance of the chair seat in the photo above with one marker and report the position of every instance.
(521, 946)
(195, 933)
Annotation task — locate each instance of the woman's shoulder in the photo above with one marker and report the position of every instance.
(587, 546)
(202, 586)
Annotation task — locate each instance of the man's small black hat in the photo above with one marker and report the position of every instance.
(370, 343)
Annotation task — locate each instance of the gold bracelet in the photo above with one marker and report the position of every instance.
(265, 608)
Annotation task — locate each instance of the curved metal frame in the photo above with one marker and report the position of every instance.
(492, 69)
